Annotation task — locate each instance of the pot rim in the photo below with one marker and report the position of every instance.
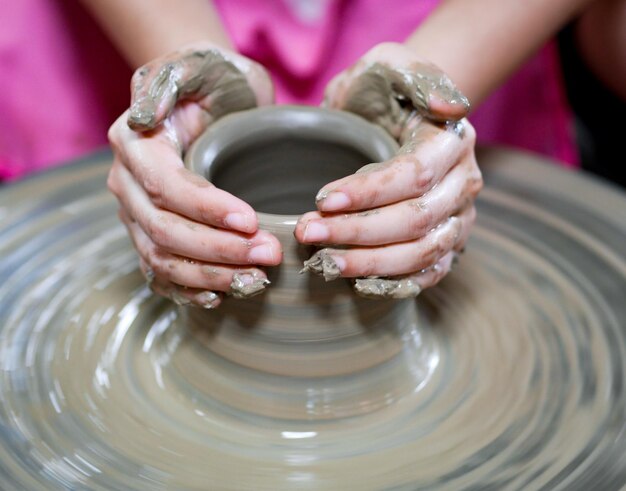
(335, 124)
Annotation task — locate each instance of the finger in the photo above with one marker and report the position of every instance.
(179, 294)
(407, 286)
(156, 166)
(207, 76)
(238, 282)
(407, 175)
(390, 260)
(407, 220)
(182, 237)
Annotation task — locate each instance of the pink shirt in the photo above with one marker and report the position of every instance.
(62, 83)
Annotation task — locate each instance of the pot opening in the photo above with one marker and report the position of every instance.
(282, 173)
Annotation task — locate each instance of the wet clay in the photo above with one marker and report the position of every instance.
(387, 287)
(193, 75)
(509, 375)
(240, 288)
(322, 263)
(390, 97)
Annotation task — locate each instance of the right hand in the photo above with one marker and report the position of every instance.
(196, 242)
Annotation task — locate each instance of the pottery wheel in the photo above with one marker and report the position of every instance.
(521, 379)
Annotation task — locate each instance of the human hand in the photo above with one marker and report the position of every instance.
(195, 241)
(396, 226)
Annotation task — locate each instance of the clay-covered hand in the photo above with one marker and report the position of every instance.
(195, 241)
(396, 226)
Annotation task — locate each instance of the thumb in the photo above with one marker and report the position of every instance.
(191, 75)
(154, 94)
(432, 92)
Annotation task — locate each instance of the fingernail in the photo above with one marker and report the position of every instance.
(237, 221)
(208, 300)
(315, 232)
(245, 279)
(340, 262)
(333, 201)
(262, 254)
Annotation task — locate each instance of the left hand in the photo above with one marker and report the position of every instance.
(396, 226)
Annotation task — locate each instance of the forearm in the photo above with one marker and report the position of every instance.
(479, 43)
(145, 29)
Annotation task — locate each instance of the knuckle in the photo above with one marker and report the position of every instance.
(441, 271)
(223, 252)
(153, 186)
(475, 183)
(207, 210)
(113, 135)
(455, 231)
(118, 135)
(356, 234)
(157, 261)
(371, 266)
(470, 132)
(149, 253)
(112, 183)
(424, 178)
(158, 230)
(151, 257)
(419, 219)
(370, 194)
(159, 264)
(460, 245)
(146, 248)
(446, 243)
(428, 256)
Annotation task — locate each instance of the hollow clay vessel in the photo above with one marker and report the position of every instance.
(277, 159)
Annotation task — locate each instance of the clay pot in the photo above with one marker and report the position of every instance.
(277, 159)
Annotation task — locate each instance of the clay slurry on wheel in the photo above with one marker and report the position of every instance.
(511, 375)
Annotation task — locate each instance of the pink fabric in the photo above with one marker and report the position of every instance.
(530, 111)
(62, 84)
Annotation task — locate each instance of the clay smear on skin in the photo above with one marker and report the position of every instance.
(195, 75)
(323, 264)
(395, 99)
(247, 284)
(390, 97)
